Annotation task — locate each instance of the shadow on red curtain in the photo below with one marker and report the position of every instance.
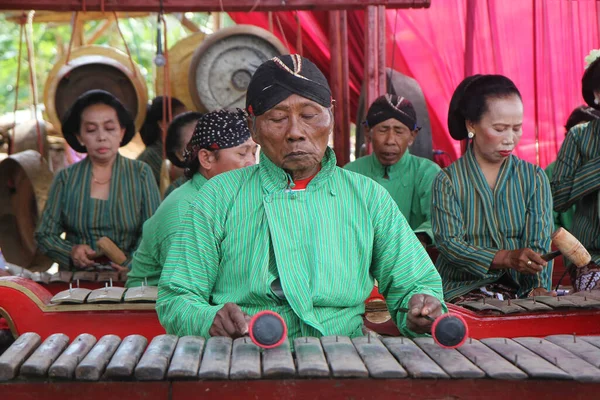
(539, 44)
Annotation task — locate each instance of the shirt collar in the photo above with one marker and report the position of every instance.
(275, 178)
(392, 170)
(198, 180)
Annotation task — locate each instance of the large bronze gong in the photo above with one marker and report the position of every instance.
(26, 137)
(405, 86)
(222, 66)
(180, 59)
(24, 183)
(95, 67)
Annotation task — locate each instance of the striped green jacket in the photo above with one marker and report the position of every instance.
(561, 219)
(576, 181)
(133, 198)
(326, 244)
(471, 222)
(175, 184)
(409, 184)
(152, 155)
(159, 233)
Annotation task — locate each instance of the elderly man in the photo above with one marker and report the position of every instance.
(392, 125)
(294, 234)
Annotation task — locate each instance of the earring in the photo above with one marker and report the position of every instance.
(596, 101)
(470, 135)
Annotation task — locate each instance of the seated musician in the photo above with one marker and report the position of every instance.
(491, 211)
(580, 115)
(392, 129)
(294, 234)
(151, 132)
(178, 136)
(221, 142)
(576, 181)
(105, 194)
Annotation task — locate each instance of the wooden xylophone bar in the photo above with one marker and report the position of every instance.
(398, 362)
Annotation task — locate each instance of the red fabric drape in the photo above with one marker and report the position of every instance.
(539, 44)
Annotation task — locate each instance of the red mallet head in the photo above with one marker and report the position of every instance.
(267, 329)
(449, 331)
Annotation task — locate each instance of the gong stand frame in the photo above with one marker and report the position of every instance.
(206, 5)
(375, 38)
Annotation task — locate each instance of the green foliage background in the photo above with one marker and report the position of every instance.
(48, 39)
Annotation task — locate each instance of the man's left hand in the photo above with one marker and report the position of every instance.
(419, 306)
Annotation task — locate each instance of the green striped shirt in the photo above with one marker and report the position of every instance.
(153, 156)
(326, 244)
(471, 222)
(409, 184)
(175, 184)
(159, 233)
(133, 198)
(576, 181)
(561, 219)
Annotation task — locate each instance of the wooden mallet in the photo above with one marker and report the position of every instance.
(448, 330)
(569, 247)
(267, 329)
(106, 247)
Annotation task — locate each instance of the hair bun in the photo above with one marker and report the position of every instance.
(456, 118)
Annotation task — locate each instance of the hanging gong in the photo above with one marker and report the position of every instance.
(95, 67)
(222, 66)
(180, 58)
(401, 85)
(25, 180)
(26, 137)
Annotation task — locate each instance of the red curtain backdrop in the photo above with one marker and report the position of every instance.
(539, 44)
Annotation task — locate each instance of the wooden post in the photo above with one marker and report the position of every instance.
(381, 45)
(344, 107)
(371, 74)
(338, 42)
(469, 51)
(216, 21)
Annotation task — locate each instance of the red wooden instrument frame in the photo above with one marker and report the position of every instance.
(26, 306)
(300, 389)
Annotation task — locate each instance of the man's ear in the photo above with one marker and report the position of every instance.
(413, 137)
(206, 158)
(368, 135)
(252, 128)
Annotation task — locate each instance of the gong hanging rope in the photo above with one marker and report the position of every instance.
(167, 106)
(11, 138)
(32, 82)
(133, 69)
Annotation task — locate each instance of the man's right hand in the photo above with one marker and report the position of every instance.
(524, 261)
(82, 255)
(230, 321)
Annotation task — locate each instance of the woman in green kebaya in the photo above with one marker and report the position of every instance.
(105, 194)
